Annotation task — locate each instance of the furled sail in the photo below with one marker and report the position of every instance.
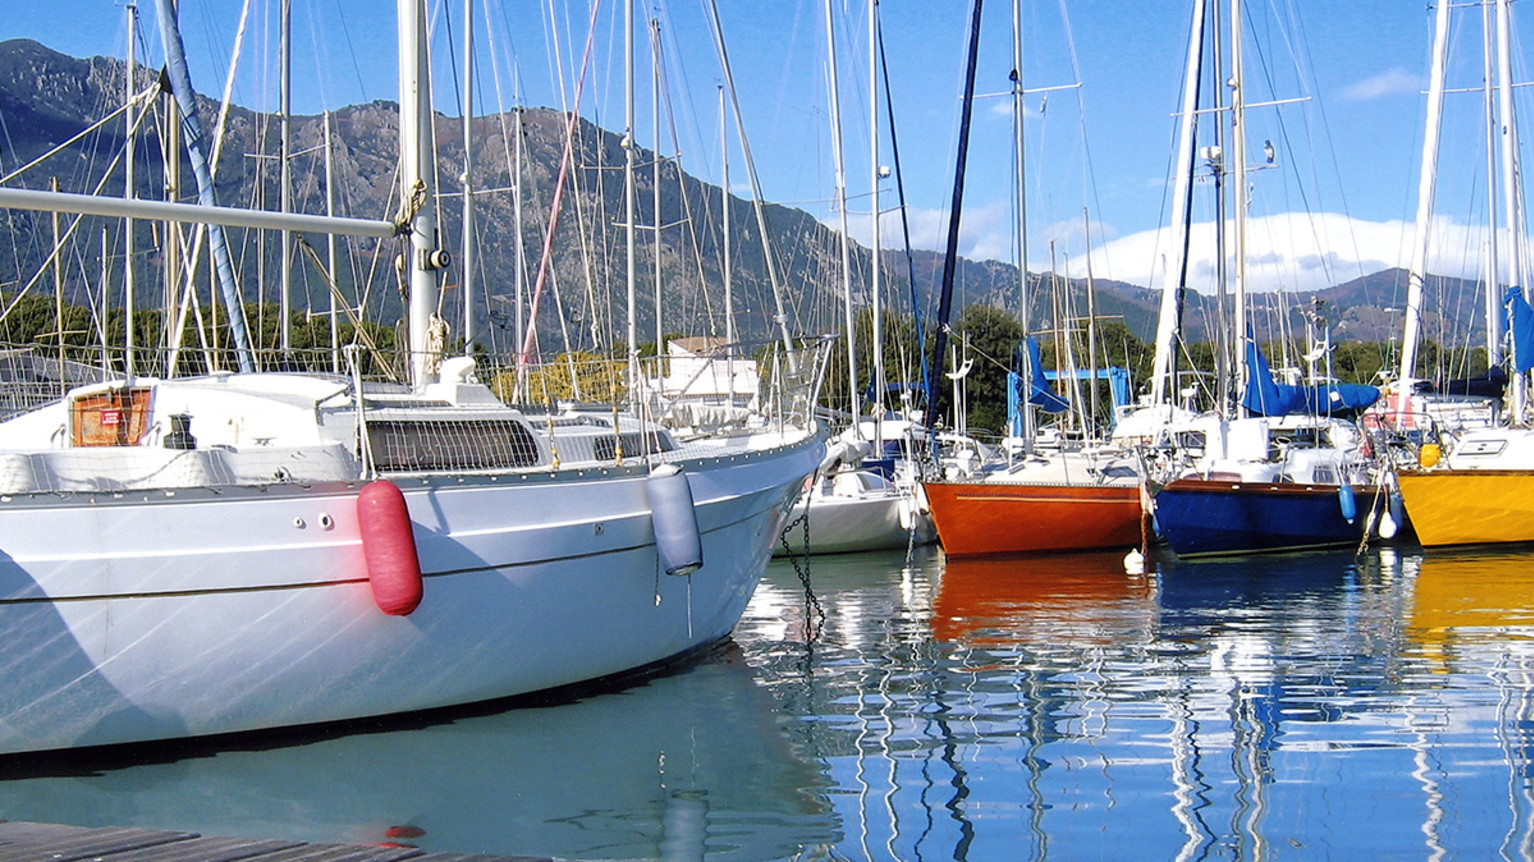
(1266, 397)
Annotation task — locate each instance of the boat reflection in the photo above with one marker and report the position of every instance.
(1081, 598)
(1471, 597)
(684, 766)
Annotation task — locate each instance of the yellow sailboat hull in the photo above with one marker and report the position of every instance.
(1469, 507)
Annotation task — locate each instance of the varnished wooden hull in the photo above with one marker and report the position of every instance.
(1014, 518)
(1469, 507)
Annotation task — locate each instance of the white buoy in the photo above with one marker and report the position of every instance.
(1134, 562)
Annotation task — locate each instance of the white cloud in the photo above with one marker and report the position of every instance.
(1392, 82)
(985, 232)
(1292, 251)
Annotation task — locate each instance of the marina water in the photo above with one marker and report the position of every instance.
(1321, 705)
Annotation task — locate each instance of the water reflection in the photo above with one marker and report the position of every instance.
(1242, 708)
(1069, 599)
(682, 767)
(884, 707)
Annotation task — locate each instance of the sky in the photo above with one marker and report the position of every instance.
(1103, 79)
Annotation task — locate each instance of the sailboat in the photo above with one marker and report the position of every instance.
(1476, 486)
(1046, 500)
(1284, 472)
(849, 506)
(190, 557)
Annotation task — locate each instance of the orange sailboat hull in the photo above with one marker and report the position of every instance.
(1000, 518)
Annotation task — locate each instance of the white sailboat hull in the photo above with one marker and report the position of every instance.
(135, 616)
(865, 523)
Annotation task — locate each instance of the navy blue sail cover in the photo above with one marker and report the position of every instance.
(1266, 397)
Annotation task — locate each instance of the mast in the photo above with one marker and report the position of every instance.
(1238, 160)
(330, 246)
(1168, 325)
(1217, 163)
(1426, 183)
(781, 316)
(521, 266)
(285, 173)
(422, 259)
(1513, 251)
(950, 259)
(170, 150)
(181, 86)
(875, 284)
(466, 268)
(724, 187)
(130, 120)
(724, 237)
(1493, 299)
(1091, 423)
(841, 208)
(1020, 227)
(655, 168)
(628, 189)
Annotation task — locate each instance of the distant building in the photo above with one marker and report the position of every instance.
(706, 368)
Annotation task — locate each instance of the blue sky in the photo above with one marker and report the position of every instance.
(1339, 203)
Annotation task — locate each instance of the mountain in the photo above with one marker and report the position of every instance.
(47, 98)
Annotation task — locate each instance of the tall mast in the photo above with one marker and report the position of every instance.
(423, 259)
(875, 283)
(285, 173)
(1218, 165)
(781, 315)
(1091, 423)
(1020, 224)
(1489, 92)
(724, 206)
(955, 210)
(841, 208)
(655, 168)
(130, 119)
(724, 237)
(1174, 281)
(330, 245)
(1425, 188)
(1513, 251)
(516, 188)
(466, 268)
(1238, 163)
(628, 189)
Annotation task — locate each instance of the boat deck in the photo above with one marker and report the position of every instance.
(31, 842)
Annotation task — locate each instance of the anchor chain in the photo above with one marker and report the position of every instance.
(814, 614)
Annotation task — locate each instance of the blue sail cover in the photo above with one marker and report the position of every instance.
(1266, 397)
(1520, 324)
(1043, 395)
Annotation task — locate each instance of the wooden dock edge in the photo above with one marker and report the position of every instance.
(46, 842)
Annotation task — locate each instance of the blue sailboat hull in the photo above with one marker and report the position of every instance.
(1204, 516)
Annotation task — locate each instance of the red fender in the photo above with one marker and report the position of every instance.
(388, 545)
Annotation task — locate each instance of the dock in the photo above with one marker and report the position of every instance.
(47, 842)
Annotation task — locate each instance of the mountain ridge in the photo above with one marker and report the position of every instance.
(47, 97)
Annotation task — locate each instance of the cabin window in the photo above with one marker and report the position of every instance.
(1482, 447)
(479, 444)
